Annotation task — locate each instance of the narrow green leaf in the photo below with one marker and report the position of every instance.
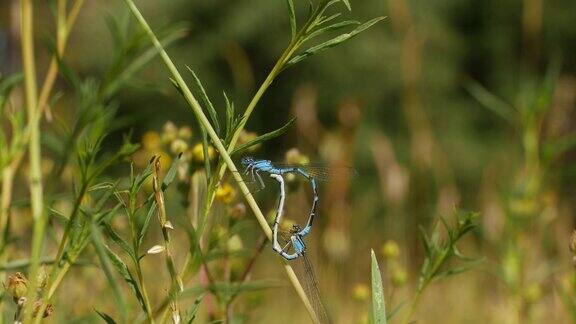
(206, 152)
(171, 174)
(123, 270)
(329, 18)
(333, 27)
(292, 14)
(204, 96)
(395, 310)
(116, 238)
(347, 4)
(64, 69)
(100, 250)
(115, 30)
(263, 138)
(195, 251)
(141, 61)
(490, 101)
(378, 304)
(230, 115)
(107, 318)
(333, 42)
(6, 86)
(191, 312)
(58, 215)
(146, 222)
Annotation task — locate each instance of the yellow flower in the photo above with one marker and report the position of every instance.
(361, 292)
(198, 152)
(151, 141)
(226, 193)
(390, 250)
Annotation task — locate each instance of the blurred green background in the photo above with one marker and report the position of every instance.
(432, 107)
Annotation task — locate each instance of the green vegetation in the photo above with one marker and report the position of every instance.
(122, 125)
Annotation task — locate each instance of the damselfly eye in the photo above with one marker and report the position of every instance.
(246, 161)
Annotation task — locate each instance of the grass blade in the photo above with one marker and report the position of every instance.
(378, 304)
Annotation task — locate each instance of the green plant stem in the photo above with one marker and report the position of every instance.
(100, 251)
(284, 58)
(144, 292)
(422, 286)
(63, 26)
(58, 271)
(10, 171)
(193, 103)
(36, 193)
(163, 220)
(5, 199)
(136, 247)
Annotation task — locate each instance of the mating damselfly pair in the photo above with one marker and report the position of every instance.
(294, 246)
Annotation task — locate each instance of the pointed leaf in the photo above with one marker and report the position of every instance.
(292, 14)
(107, 318)
(378, 304)
(333, 42)
(6, 86)
(347, 4)
(99, 246)
(115, 237)
(141, 61)
(333, 27)
(146, 223)
(171, 174)
(204, 96)
(263, 138)
(490, 101)
(123, 270)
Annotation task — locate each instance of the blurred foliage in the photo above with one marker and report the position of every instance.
(403, 104)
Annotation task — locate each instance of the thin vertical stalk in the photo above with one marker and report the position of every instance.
(163, 220)
(63, 31)
(203, 120)
(63, 26)
(36, 192)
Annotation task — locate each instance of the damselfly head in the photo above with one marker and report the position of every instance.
(246, 161)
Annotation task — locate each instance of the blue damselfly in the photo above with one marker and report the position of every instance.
(295, 248)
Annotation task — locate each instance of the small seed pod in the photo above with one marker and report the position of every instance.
(47, 312)
(17, 285)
